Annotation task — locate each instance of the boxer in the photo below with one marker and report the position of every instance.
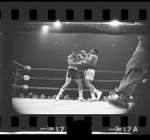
(72, 74)
(91, 59)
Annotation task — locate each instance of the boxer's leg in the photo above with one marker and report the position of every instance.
(80, 88)
(91, 87)
(68, 80)
(88, 82)
(93, 95)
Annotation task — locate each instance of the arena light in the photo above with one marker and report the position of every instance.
(45, 28)
(57, 24)
(115, 23)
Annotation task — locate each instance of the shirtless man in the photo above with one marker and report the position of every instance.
(72, 74)
(91, 59)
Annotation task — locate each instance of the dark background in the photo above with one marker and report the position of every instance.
(51, 50)
(1, 63)
(61, 7)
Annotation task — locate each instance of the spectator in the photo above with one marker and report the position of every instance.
(49, 97)
(30, 95)
(21, 95)
(42, 96)
(35, 96)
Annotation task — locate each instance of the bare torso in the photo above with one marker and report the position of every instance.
(92, 60)
(72, 61)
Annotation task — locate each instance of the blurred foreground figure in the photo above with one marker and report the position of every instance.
(135, 71)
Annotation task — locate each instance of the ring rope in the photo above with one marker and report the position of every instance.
(48, 69)
(62, 79)
(96, 80)
(55, 88)
(17, 63)
(62, 70)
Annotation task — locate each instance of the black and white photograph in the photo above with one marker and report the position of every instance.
(79, 67)
(1, 63)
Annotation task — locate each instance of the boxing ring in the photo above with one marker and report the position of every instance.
(50, 106)
(63, 106)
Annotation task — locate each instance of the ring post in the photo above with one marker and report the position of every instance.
(15, 82)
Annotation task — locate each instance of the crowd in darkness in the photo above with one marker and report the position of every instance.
(63, 97)
(44, 96)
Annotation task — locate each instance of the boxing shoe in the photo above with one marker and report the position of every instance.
(93, 99)
(99, 93)
(122, 101)
(113, 95)
(81, 99)
(57, 98)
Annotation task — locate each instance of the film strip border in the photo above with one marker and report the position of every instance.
(73, 123)
(75, 11)
(78, 11)
(70, 14)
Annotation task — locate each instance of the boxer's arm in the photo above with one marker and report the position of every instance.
(83, 53)
(83, 57)
(71, 62)
(89, 59)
